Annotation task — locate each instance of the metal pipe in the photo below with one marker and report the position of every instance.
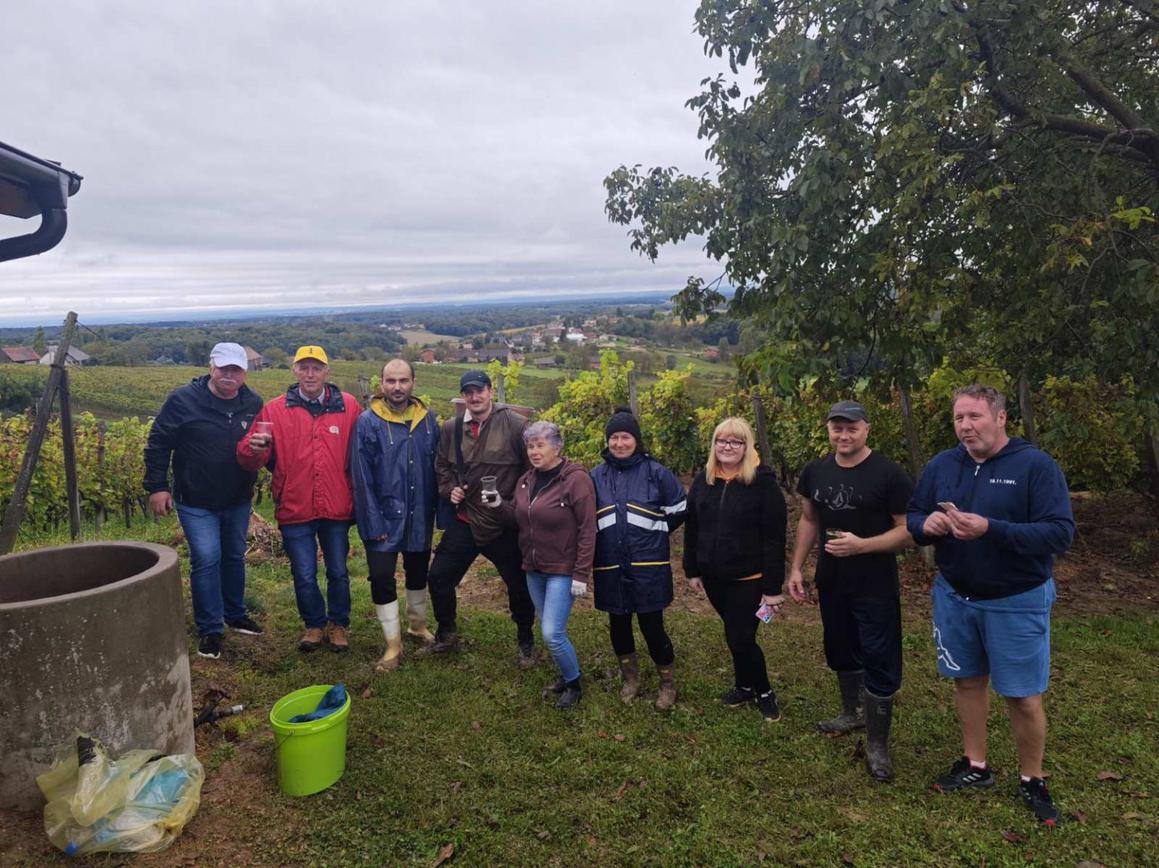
(53, 224)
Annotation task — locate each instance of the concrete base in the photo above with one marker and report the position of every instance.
(92, 639)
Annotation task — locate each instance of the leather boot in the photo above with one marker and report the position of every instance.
(630, 672)
(878, 717)
(416, 615)
(666, 698)
(852, 714)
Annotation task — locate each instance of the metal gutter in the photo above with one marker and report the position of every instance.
(29, 186)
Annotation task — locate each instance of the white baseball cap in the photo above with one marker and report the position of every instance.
(228, 354)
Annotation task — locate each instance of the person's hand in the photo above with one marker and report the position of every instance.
(161, 503)
(494, 501)
(937, 524)
(380, 539)
(844, 545)
(696, 585)
(774, 602)
(458, 494)
(967, 525)
(797, 586)
(259, 443)
(578, 588)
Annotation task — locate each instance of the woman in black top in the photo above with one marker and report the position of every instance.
(734, 551)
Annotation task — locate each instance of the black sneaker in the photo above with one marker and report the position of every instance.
(767, 703)
(1036, 797)
(245, 624)
(554, 690)
(572, 693)
(962, 775)
(209, 646)
(738, 696)
(445, 643)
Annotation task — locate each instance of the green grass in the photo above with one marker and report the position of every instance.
(463, 751)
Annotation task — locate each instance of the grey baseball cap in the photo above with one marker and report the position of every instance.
(851, 410)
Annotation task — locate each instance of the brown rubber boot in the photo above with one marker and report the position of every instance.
(630, 672)
(666, 698)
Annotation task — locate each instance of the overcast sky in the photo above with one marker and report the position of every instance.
(288, 154)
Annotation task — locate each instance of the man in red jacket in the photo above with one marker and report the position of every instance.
(306, 446)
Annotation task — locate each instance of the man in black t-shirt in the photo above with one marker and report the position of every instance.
(854, 503)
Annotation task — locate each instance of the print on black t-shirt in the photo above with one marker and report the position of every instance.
(862, 500)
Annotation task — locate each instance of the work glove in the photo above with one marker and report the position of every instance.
(578, 588)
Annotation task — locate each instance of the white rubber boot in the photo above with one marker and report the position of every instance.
(416, 615)
(388, 617)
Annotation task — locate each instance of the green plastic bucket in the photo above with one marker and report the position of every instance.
(311, 755)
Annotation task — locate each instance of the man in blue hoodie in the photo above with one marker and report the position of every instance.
(997, 511)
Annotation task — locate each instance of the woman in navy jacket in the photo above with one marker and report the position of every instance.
(639, 502)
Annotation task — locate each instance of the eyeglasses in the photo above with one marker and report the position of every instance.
(730, 444)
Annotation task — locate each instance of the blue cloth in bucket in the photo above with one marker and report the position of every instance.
(334, 699)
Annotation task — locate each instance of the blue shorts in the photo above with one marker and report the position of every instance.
(1007, 638)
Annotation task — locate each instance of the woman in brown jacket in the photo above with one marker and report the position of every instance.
(555, 510)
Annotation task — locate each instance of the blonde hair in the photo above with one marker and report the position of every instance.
(734, 426)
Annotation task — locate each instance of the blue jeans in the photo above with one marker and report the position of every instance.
(553, 599)
(301, 542)
(216, 563)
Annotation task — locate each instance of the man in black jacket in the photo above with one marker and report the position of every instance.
(199, 427)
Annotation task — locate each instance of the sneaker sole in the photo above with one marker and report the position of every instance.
(245, 632)
(216, 656)
(981, 785)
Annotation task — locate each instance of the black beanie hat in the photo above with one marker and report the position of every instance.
(624, 420)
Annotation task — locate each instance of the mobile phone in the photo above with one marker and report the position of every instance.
(946, 505)
(765, 612)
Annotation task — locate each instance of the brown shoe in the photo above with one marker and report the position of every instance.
(338, 637)
(666, 698)
(311, 640)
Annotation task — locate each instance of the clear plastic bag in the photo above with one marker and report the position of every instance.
(137, 803)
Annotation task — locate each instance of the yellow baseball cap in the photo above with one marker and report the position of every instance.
(311, 352)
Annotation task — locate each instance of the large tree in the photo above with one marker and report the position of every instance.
(897, 179)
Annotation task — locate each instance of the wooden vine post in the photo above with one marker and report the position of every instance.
(57, 383)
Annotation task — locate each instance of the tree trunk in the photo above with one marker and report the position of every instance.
(1151, 444)
(1029, 430)
(916, 462)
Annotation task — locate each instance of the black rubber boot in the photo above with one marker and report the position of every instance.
(878, 717)
(852, 714)
(571, 695)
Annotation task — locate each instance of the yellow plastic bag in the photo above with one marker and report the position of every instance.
(137, 803)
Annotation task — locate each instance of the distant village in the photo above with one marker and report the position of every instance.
(560, 342)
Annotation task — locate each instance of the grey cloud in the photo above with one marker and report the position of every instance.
(292, 154)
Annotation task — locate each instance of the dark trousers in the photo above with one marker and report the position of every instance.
(652, 626)
(454, 555)
(382, 566)
(737, 604)
(863, 632)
